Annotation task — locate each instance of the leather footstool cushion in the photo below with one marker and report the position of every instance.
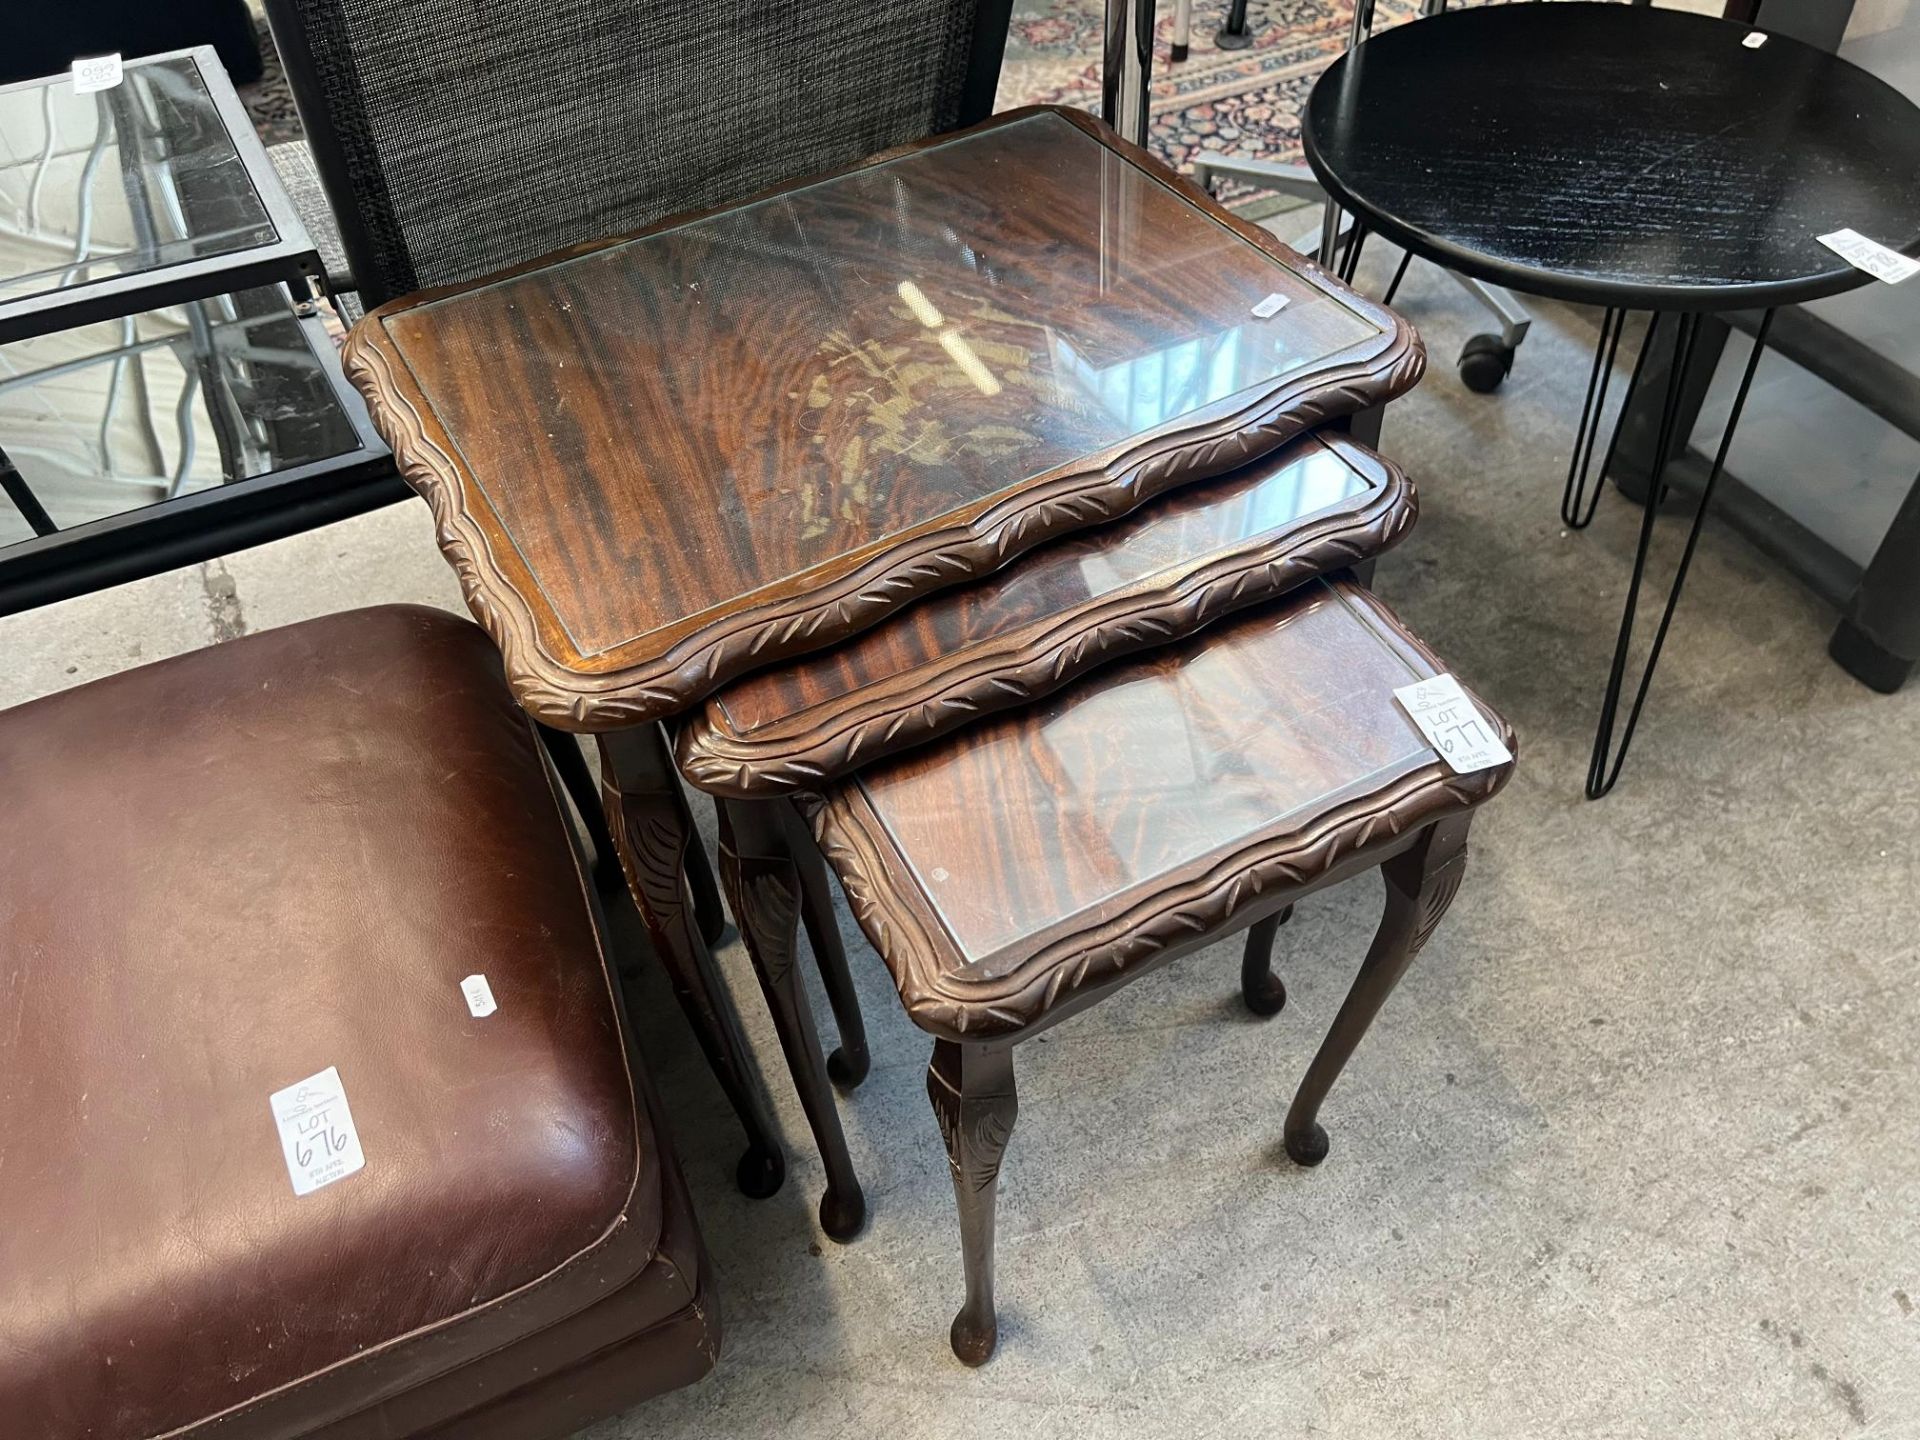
(222, 874)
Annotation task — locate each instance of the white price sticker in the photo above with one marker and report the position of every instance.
(1270, 307)
(316, 1131)
(95, 72)
(1754, 41)
(1871, 256)
(1452, 725)
(479, 996)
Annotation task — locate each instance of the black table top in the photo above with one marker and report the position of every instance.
(1619, 155)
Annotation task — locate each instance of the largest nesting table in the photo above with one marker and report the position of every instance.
(659, 462)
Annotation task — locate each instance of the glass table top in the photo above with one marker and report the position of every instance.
(129, 180)
(816, 375)
(1165, 538)
(114, 416)
(1147, 766)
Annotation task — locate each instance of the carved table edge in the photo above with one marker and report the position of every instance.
(1096, 946)
(774, 630)
(1040, 658)
(1364, 375)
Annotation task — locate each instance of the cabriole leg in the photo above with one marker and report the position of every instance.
(653, 833)
(763, 884)
(971, 1087)
(570, 763)
(1263, 991)
(847, 1066)
(1421, 884)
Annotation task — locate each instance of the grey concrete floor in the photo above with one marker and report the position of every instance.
(1633, 1151)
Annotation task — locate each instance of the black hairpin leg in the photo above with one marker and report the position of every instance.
(1604, 767)
(1350, 261)
(1399, 274)
(1576, 505)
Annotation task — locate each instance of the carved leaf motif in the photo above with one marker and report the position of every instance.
(1437, 897)
(975, 1129)
(889, 718)
(650, 856)
(946, 1111)
(943, 997)
(988, 1128)
(766, 900)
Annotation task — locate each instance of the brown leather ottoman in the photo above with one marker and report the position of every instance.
(225, 873)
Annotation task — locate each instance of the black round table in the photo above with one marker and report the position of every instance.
(1626, 157)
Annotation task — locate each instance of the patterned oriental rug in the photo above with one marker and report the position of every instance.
(1243, 102)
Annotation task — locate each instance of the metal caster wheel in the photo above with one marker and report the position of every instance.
(1484, 363)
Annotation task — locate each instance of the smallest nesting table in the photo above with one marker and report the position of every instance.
(1027, 866)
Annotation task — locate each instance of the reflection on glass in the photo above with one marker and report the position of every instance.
(1161, 542)
(124, 180)
(113, 416)
(1239, 510)
(839, 364)
(1142, 391)
(1157, 763)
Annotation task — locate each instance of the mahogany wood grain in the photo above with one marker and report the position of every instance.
(1175, 565)
(1157, 800)
(661, 462)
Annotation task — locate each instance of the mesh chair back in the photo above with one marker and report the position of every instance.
(459, 136)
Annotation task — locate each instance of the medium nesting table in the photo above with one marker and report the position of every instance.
(659, 463)
(1174, 566)
(1627, 157)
